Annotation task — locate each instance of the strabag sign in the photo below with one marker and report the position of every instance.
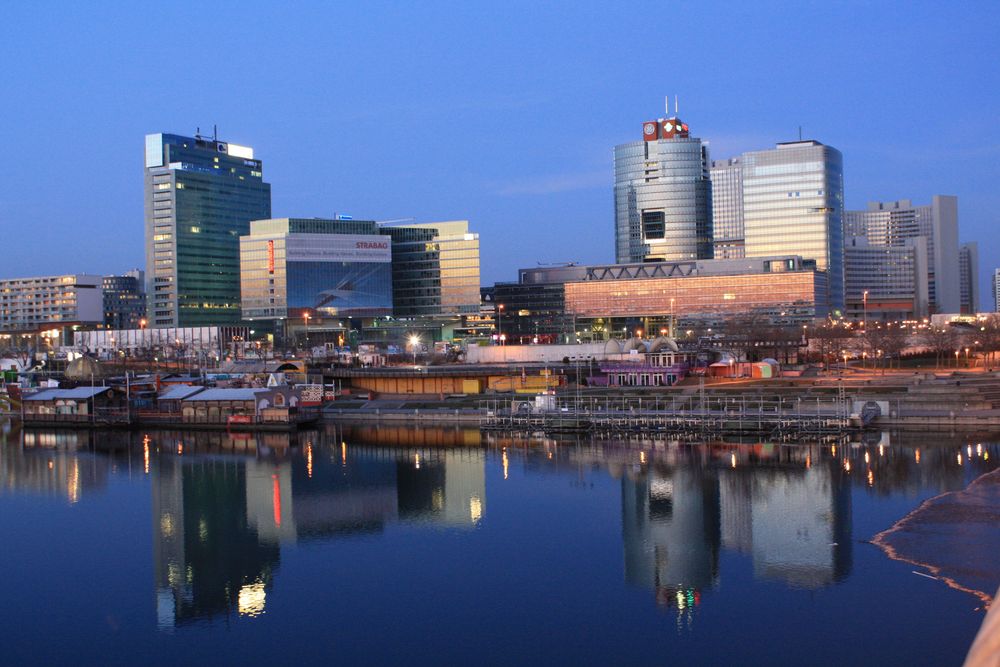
(337, 248)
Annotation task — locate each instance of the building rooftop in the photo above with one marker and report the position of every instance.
(76, 393)
(226, 395)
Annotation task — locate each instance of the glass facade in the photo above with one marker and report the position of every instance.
(662, 200)
(792, 295)
(200, 196)
(793, 203)
(124, 300)
(727, 208)
(435, 269)
(291, 267)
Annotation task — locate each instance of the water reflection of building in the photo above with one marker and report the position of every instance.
(208, 560)
(47, 463)
(671, 532)
(219, 522)
(794, 522)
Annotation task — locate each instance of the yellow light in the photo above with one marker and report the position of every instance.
(252, 599)
(309, 461)
(881, 450)
(416, 460)
(833, 450)
(959, 458)
(979, 449)
(732, 459)
(968, 451)
(343, 453)
(847, 465)
(808, 461)
(867, 458)
(475, 509)
(506, 463)
(642, 457)
(871, 478)
(916, 455)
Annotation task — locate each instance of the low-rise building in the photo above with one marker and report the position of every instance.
(34, 305)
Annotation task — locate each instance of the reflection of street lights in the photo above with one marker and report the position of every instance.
(956, 358)
(414, 341)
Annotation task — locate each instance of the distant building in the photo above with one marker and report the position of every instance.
(892, 223)
(34, 305)
(996, 291)
(886, 282)
(663, 209)
(125, 300)
(200, 196)
(968, 277)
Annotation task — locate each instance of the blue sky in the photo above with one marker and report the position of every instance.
(503, 113)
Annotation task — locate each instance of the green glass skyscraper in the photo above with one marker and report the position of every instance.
(200, 196)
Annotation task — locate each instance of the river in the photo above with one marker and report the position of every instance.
(443, 546)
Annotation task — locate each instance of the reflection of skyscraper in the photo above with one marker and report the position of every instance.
(208, 559)
(796, 523)
(671, 531)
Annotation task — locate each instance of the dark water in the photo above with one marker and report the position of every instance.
(434, 546)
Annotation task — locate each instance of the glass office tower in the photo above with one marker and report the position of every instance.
(662, 196)
(793, 204)
(727, 208)
(435, 269)
(200, 196)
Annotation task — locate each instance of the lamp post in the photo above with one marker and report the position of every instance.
(500, 323)
(414, 341)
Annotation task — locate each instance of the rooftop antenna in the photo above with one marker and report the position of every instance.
(197, 133)
(666, 102)
(677, 108)
(800, 133)
(215, 133)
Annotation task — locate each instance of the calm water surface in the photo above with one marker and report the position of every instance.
(438, 546)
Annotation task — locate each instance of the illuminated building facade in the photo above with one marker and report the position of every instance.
(662, 195)
(892, 223)
(200, 196)
(886, 282)
(292, 267)
(793, 204)
(782, 290)
(31, 305)
(968, 277)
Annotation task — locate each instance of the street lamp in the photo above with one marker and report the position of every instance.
(500, 323)
(414, 341)
(305, 318)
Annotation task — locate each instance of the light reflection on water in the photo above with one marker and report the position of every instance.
(226, 508)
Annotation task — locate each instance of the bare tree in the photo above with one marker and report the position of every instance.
(944, 340)
(828, 339)
(887, 341)
(989, 337)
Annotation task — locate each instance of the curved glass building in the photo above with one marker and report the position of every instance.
(663, 200)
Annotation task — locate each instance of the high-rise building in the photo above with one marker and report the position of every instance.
(125, 300)
(968, 277)
(200, 196)
(663, 209)
(886, 282)
(793, 203)
(892, 223)
(727, 208)
(996, 292)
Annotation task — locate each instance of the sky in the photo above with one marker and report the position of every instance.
(501, 113)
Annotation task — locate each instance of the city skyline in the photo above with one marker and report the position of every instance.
(535, 184)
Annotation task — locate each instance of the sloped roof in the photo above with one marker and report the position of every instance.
(76, 393)
(179, 392)
(226, 394)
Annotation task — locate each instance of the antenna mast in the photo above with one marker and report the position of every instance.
(677, 108)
